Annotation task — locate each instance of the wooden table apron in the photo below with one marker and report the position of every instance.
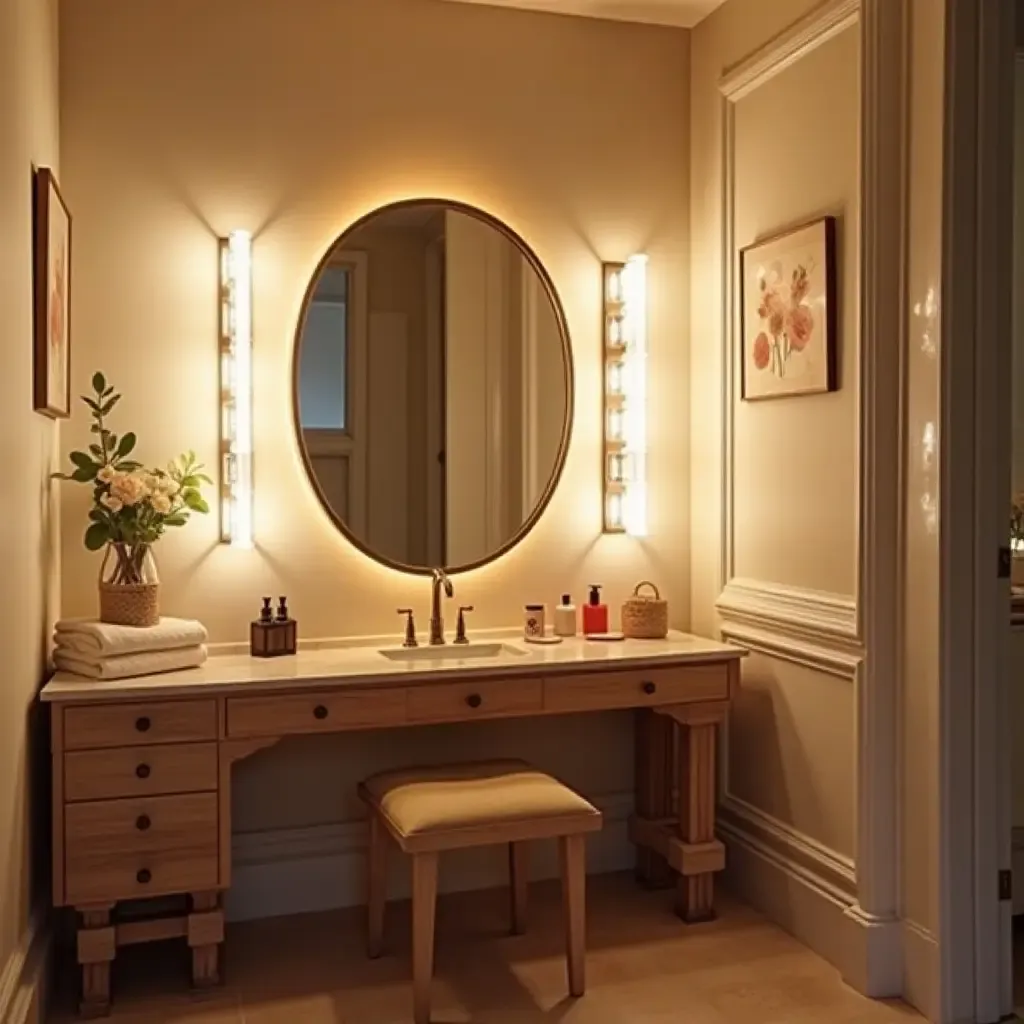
(142, 785)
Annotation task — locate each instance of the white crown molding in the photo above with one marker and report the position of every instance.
(794, 611)
(795, 43)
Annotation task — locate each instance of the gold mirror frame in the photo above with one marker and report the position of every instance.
(567, 365)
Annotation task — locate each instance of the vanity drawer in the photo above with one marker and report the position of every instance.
(139, 771)
(118, 725)
(636, 688)
(315, 712)
(125, 849)
(452, 702)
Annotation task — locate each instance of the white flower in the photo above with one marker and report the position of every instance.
(161, 503)
(105, 475)
(114, 504)
(129, 488)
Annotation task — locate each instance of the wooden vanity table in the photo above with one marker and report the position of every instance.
(142, 767)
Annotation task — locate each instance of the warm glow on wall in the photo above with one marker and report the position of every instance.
(236, 389)
(625, 396)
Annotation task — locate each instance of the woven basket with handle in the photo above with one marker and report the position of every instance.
(645, 616)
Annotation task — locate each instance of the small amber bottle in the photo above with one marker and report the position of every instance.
(271, 636)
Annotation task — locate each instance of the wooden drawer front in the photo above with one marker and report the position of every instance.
(450, 702)
(636, 688)
(140, 771)
(315, 712)
(124, 849)
(118, 725)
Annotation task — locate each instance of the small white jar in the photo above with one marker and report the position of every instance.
(533, 620)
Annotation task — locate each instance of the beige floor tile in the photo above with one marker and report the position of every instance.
(644, 967)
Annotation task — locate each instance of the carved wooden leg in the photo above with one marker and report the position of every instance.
(653, 784)
(424, 904)
(96, 948)
(376, 885)
(205, 935)
(519, 884)
(695, 892)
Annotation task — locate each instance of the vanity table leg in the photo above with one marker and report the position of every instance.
(654, 774)
(205, 936)
(695, 886)
(96, 948)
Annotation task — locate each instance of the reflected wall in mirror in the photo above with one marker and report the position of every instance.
(433, 385)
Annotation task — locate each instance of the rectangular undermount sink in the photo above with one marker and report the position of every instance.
(448, 652)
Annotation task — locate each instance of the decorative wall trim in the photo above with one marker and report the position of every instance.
(844, 664)
(301, 870)
(812, 614)
(798, 854)
(760, 67)
(24, 978)
(793, 882)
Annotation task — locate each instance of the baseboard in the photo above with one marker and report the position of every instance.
(921, 984)
(799, 884)
(24, 978)
(295, 871)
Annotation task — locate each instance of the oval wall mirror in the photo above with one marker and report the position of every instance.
(433, 385)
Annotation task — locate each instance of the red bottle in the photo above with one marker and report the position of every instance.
(595, 614)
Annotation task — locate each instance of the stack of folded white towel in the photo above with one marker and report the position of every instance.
(100, 650)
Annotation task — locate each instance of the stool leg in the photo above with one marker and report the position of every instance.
(376, 885)
(573, 853)
(519, 882)
(424, 903)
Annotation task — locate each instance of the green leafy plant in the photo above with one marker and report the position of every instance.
(131, 505)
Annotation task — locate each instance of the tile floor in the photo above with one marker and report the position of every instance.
(644, 967)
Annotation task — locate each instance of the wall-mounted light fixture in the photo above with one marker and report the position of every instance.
(236, 389)
(625, 396)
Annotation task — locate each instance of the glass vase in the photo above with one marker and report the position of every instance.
(129, 585)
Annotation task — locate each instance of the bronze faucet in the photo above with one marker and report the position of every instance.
(438, 579)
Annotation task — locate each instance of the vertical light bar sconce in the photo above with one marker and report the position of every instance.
(236, 389)
(625, 396)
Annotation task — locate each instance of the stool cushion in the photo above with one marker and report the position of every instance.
(422, 800)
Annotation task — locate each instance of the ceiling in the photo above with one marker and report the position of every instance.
(677, 13)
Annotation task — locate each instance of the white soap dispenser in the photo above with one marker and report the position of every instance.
(565, 617)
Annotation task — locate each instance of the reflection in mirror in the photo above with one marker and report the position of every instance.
(433, 385)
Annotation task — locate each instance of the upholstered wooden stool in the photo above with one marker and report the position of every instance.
(429, 810)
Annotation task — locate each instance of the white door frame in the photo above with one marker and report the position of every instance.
(976, 365)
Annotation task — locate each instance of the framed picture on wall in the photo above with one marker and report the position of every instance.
(788, 313)
(52, 298)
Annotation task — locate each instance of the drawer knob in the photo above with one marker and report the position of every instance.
(474, 700)
(142, 822)
(142, 724)
(649, 688)
(142, 771)
(143, 876)
(320, 712)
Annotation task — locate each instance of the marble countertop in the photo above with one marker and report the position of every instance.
(357, 664)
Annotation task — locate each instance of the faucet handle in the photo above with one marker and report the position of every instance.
(410, 628)
(460, 629)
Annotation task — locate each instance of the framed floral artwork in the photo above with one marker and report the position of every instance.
(52, 298)
(788, 313)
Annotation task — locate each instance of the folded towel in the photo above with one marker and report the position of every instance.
(125, 666)
(101, 639)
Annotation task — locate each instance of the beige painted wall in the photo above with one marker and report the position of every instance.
(791, 742)
(375, 102)
(30, 589)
